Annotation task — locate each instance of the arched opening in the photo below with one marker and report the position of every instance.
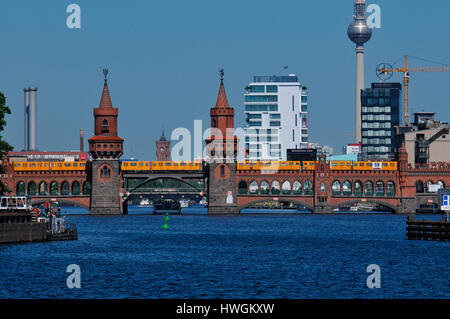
(76, 188)
(441, 183)
(65, 188)
(297, 188)
(43, 188)
(368, 188)
(322, 187)
(336, 188)
(347, 188)
(31, 191)
(87, 188)
(20, 189)
(308, 188)
(419, 187)
(105, 172)
(243, 187)
(105, 127)
(286, 188)
(275, 187)
(358, 189)
(390, 188)
(379, 188)
(54, 189)
(264, 187)
(254, 187)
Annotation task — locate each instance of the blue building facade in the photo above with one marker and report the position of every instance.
(380, 117)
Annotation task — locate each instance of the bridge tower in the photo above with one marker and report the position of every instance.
(222, 148)
(106, 148)
(322, 186)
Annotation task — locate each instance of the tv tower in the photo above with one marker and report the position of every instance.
(359, 32)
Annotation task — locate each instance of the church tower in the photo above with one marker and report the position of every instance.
(222, 148)
(163, 149)
(106, 148)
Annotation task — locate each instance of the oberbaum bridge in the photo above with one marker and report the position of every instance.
(103, 187)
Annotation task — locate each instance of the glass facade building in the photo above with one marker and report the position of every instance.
(380, 117)
(276, 108)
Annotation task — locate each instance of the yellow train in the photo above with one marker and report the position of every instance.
(276, 166)
(362, 166)
(48, 166)
(160, 166)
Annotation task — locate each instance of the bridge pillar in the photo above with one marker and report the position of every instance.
(105, 194)
(322, 209)
(222, 189)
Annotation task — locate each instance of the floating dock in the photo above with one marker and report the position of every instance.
(427, 230)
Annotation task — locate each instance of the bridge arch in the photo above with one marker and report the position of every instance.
(65, 188)
(76, 190)
(369, 201)
(21, 188)
(31, 188)
(291, 200)
(162, 178)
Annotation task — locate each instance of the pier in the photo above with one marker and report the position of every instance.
(428, 230)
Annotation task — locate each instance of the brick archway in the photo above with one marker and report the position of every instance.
(368, 201)
(297, 201)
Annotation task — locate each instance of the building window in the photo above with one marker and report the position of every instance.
(256, 89)
(261, 98)
(271, 89)
(105, 127)
(222, 171)
(275, 116)
(262, 108)
(275, 123)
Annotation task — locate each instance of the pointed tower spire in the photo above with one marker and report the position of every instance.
(106, 98)
(222, 101)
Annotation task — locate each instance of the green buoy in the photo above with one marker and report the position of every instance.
(166, 219)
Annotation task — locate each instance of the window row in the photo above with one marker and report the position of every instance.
(376, 109)
(357, 188)
(43, 189)
(371, 117)
(376, 125)
(276, 188)
(376, 133)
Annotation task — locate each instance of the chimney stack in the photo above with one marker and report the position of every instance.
(30, 122)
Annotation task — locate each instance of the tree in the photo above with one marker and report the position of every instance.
(4, 146)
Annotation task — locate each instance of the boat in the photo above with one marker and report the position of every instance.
(22, 222)
(362, 207)
(343, 209)
(57, 228)
(170, 206)
(145, 203)
(204, 202)
(185, 203)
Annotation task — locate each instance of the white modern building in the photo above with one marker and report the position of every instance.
(276, 108)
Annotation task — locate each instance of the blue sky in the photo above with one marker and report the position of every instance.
(164, 58)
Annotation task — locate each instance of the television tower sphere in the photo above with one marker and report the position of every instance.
(359, 32)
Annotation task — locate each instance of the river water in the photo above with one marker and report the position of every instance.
(246, 256)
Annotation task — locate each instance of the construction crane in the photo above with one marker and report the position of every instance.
(385, 72)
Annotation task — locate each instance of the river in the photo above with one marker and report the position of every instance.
(246, 256)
